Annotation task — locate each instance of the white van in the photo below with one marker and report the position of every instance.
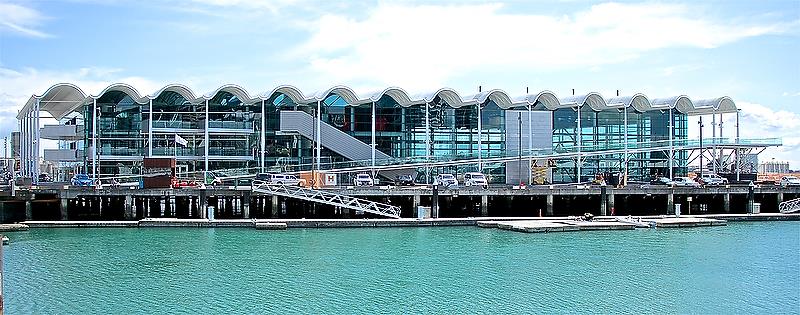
(284, 179)
(475, 179)
(712, 179)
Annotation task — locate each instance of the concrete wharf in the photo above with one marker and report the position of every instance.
(600, 223)
(67, 203)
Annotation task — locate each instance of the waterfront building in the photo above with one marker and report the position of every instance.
(285, 129)
(779, 167)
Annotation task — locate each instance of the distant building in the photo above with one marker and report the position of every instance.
(774, 167)
(750, 163)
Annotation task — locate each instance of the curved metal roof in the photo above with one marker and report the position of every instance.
(181, 89)
(593, 99)
(63, 98)
(639, 101)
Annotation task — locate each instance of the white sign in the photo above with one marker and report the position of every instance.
(330, 180)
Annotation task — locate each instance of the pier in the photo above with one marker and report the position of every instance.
(66, 203)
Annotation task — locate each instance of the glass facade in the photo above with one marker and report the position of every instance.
(411, 133)
(612, 130)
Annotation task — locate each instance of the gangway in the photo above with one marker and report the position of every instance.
(790, 206)
(316, 195)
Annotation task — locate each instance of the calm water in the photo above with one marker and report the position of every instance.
(741, 268)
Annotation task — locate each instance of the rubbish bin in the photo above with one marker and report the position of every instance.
(756, 208)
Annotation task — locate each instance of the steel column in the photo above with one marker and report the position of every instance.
(150, 132)
(738, 151)
(94, 139)
(579, 141)
(671, 144)
(713, 142)
(317, 136)
(263, 133)
(427, 142)
(480, 140)
(530, 145)
(207, 141)
(625, 123)
(37, 144)
(373, 134)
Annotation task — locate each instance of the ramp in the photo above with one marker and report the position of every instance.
(338, 141)
(331, 137)
(790, 206)
(328, 198)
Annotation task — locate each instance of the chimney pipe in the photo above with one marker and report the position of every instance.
(479, 88)
(573, 92)
(617, 92)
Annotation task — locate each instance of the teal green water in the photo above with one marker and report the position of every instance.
(741, 268)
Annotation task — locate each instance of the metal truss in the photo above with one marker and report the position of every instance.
(324, 197)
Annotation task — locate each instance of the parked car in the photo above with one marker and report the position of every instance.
(262, 177)
(714, 179)
(662, 181)
(790, 181)
(475, 179)
(445, 180)
(685, 182)
(404, 180)
(363, 179)
(44, 177)
(82, 180)
(285, 179)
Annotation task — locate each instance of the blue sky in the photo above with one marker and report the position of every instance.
(744, 49)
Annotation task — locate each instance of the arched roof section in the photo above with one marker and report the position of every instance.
(498, 96)
(545, 99)
(719, 105)
(593, 99)
(59, 100)
(639, 101)
(234, 89)
(681, 103)
(450, 96)
(181, 89)
(124, 88)
(399, 95)
(342, 91)
(290, 91)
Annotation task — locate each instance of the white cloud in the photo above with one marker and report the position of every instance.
(426, 45)
(790, 94)
(18, 19)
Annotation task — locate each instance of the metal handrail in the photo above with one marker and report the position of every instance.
(315, 195)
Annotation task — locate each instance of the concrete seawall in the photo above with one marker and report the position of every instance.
(361, 223)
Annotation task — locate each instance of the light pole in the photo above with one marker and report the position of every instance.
(700, 123)
(738, 164)
(519, 149)
(313, 150)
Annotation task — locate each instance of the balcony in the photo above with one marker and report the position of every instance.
(230, 127)
(62, 132)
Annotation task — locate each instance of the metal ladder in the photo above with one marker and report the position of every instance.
(315, 195)
(790, 206)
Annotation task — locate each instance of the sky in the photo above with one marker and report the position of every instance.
(747, 50)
